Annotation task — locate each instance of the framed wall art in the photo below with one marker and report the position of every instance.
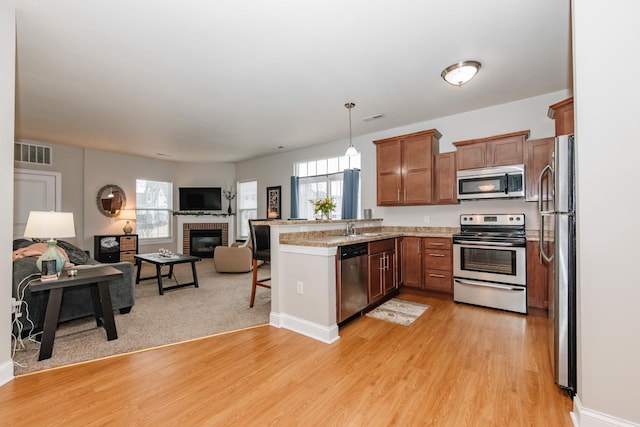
(274, 204)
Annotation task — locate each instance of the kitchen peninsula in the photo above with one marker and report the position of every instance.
(303, 269)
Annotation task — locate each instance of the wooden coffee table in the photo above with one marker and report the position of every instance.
(98, 278)
(161, 260)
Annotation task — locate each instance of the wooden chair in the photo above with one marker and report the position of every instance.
(260, 251)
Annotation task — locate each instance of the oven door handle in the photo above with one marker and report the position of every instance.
(486, 244)
(490, 285)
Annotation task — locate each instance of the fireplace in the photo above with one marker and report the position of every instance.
(202, 243)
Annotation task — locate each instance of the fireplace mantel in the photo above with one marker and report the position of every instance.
(203, 219)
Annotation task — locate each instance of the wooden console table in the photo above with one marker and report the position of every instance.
(98, 278)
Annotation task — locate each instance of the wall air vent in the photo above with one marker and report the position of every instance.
(32, 153)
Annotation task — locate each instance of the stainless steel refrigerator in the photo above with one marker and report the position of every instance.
(557, 209)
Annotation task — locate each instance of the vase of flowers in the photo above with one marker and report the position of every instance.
(229, 195)
(323, 206)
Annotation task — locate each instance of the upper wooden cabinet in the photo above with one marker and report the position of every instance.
(537, 155)
(445, 178)
(405, 168)
(562, 113)
(499, 150)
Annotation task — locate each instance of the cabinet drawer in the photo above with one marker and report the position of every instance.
(381, 246)
(438, 280)
(436, 243)
(127, 256)
(108, 257)
(437, 259)
(128, 243)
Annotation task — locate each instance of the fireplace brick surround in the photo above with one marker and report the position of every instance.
(186, 233)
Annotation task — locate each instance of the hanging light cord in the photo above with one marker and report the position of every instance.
(349, 106)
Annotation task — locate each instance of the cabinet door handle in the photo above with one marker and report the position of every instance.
(435, 254)
(398, 194)
(435, 244)
(439, 276)
(405, 194)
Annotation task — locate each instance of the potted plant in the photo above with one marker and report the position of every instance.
(324, 206)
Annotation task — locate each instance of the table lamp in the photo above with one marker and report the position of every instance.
(50, 225)
(127, 215)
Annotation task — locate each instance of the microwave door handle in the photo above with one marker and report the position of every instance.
(506, 183)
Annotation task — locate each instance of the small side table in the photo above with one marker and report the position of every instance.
(99, 278)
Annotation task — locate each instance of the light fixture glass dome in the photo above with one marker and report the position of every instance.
(461, 72)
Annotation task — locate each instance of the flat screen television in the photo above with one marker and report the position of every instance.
(200, 198)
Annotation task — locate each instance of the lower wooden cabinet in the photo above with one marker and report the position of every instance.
(411, 261)
(427, 263)
(537, 275)
(438, 264)
(382, 276)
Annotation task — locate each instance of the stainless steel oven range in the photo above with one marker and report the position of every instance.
(490, 261)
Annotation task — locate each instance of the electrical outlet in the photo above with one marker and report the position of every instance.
(300, 288)
(15, 305)
(426, 219)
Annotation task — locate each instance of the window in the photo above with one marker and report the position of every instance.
(322, 178)
(247, 206)
(154, 200)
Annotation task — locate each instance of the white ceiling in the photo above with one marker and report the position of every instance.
(204, 80)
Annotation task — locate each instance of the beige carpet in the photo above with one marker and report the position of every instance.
(220, 304)
(398, 311)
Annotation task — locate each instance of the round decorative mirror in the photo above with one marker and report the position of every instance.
(111, 200)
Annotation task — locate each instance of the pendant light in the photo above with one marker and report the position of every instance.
(351, 151)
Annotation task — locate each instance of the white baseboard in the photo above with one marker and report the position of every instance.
(326, 334)
(6, 372)
(584, 417)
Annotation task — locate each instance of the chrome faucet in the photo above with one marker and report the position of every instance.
(351, 228)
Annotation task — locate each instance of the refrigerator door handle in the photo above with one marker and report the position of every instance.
(546, 169)
(543, 252)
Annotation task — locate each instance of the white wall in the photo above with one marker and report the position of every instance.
(515, 116)
(607, 129)
(69, 161)
(7, 89)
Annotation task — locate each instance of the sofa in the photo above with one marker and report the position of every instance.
(76, 301)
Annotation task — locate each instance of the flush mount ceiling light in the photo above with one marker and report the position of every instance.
(461, 72)
(351, 151)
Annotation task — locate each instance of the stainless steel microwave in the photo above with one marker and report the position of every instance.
(497, 182)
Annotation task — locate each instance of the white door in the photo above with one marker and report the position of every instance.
(33, 191)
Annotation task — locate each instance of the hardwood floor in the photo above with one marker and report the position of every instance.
(457, 365)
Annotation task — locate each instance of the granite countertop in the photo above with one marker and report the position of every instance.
(330, 238)
(313, 221)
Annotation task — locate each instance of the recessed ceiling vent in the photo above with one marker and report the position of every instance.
(31, 153)
(374, 117)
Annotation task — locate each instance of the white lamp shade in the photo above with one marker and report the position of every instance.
(50, 225)
(351, 151)
(127, 214)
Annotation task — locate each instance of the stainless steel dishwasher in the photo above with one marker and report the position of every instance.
(353, 280)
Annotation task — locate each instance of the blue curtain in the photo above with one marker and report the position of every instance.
(350, 188)
(294, 197)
